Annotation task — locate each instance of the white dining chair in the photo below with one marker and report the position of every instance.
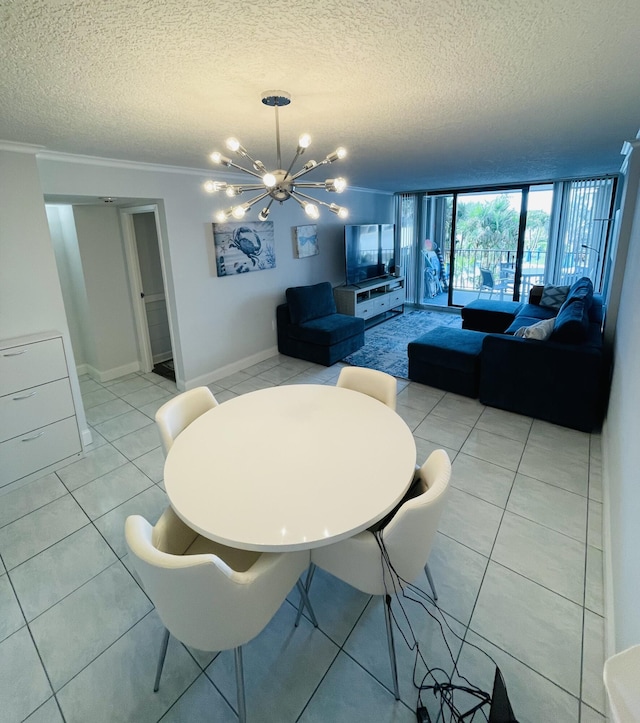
(210, 596)
(406, 540)
(177, 414)
(379, 385)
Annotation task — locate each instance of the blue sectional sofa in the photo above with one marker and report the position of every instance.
(562, 379)
(310, 328)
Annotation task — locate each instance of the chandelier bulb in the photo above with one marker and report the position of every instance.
(304, 141)
(259, 166)
(233, 144)
(340, 211)
(239, 211)
(337, 155)
(311, 210)
(269, 180)
(340, 184)
(264, 214)
(218, 158)
(336, 185)
(231, 191)
(310, 164)
(210, 186)
(222, 216)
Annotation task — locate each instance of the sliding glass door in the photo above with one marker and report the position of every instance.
(496, 244)
(485, 246)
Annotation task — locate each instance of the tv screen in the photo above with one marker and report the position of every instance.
(369, 252)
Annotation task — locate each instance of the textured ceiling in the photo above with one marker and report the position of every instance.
(423, 93)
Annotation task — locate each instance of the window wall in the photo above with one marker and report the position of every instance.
(496, 243)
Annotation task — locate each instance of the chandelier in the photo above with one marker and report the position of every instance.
(278, 185)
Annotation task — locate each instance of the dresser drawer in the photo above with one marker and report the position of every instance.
(22, 367)
(366, 309)
(396, 298)
(34, 408)
(38, 449)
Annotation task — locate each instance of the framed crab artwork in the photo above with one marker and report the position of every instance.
(243, 247)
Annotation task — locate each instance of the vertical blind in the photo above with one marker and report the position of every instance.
(585, 210)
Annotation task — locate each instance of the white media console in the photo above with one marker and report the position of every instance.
(371, 299)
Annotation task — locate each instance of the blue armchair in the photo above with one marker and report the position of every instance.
(310, 328)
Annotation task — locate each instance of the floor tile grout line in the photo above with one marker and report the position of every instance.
(522, 662)
(101, 653)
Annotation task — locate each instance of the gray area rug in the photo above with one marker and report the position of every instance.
(385, 345)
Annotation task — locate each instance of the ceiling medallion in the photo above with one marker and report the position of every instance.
(277, 185)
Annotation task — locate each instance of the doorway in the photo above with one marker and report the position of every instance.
(147, 280)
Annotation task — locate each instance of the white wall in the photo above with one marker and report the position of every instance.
(65, 245)
(621, 437)
(218, 323)
(30, 294)
(107, 288)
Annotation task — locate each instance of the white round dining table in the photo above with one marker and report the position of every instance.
(290, 467)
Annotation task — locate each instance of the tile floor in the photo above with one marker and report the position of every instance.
(517, 563)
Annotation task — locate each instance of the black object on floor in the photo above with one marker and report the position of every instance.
(165, 369)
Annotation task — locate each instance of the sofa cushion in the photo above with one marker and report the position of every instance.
(486, 315)
(327, 330)
(540, 331)
(553, 297)
(572, 323)
(535, 311)
(310, 302)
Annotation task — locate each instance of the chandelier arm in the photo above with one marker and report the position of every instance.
(304, 170)
(307, 197)
(246, 170)
(340, 211)
(255, 200)
(295, 195)
(251, 187)
(312, 184)
(295, 158)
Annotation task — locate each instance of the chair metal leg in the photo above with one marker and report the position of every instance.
(304, 599)
(303, 602)
(163, 653)
(242, 710)
(430, 579)
(392, 650)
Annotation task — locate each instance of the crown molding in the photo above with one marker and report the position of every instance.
(20, 147)
(158, 168)
(119, 163)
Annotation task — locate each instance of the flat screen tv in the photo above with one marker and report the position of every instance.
(369, 252)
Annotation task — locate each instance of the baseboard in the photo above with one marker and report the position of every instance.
(227, 370)
(158, 358)
(110, 374)
(607, 568)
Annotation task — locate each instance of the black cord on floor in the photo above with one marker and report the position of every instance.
(444, 689)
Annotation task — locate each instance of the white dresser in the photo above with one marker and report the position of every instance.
(38, 425)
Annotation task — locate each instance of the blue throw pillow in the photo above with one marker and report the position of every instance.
(572, 323)
(310, 302)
